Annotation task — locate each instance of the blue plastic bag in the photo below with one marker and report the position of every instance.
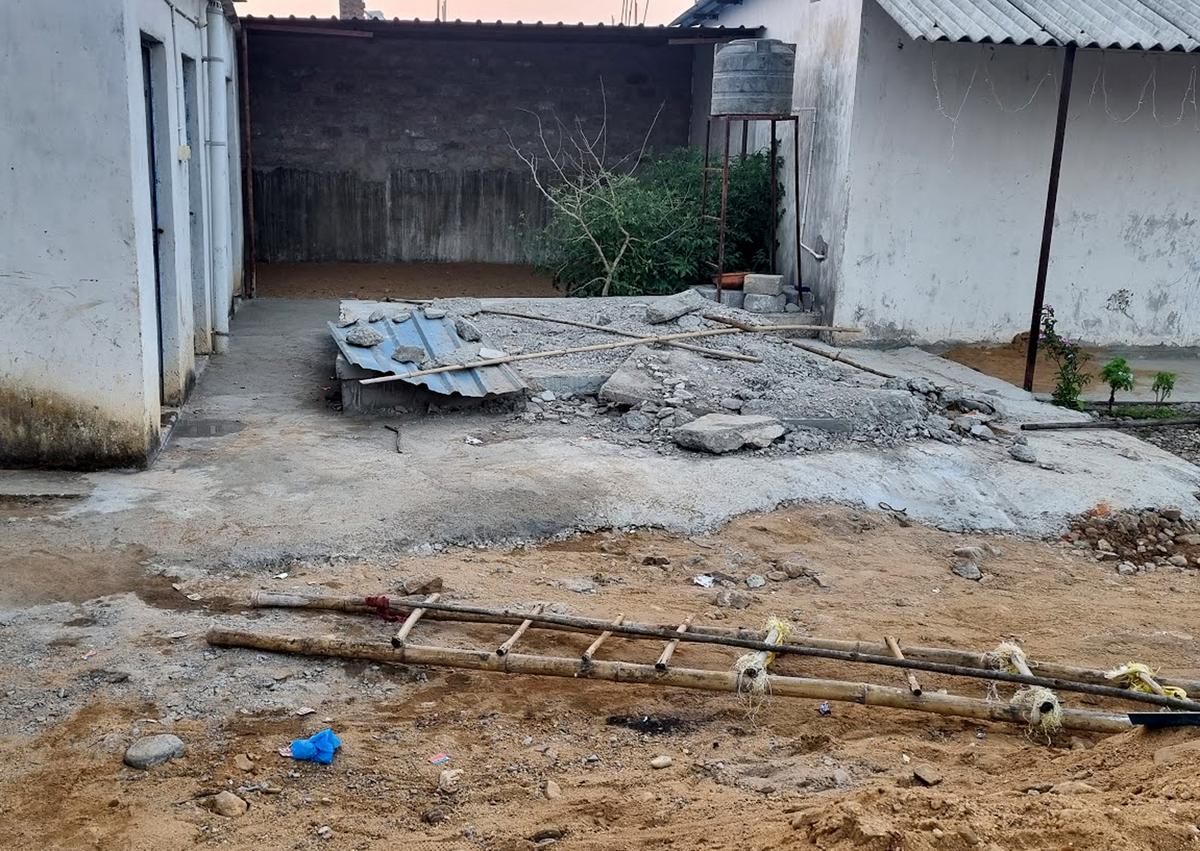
(318, 747)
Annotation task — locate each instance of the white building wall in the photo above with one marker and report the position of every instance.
(825, 33)
(950, 160)
(79, 329)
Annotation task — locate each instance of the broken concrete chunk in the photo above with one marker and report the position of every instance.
(720, 433)
(377, 316)
(401, 316)
(667, 308)
(967, 570)
(1021, 452)
(768, 285)
(433, 313)
(347, 320)
(364, 336)
(467, 329)
(150, 751)
(409, 354)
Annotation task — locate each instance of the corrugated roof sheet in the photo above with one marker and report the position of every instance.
(1124, 24)
(436, 336)
(504, 30)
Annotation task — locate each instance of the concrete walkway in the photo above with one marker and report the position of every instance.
(262, 470)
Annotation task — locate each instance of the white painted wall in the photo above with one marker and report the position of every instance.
(79, 354)
(825, 33)
(948, 186)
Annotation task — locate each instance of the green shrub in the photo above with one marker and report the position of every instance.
(613, 233)
(1069, 358)
(1118, 376)
(1163, 386)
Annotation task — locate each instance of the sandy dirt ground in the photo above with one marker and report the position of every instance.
(399, 280)
(1008, 363)
(545, 758)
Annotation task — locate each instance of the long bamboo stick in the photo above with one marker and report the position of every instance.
(631, 672)
(713, 353)
(597, 347)
(937, 660)
(1117, 424)
(894, 646)
(760, 660)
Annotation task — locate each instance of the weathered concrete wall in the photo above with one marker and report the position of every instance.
(950, 159)
(825, 33)
(391, 149)
(79, 326)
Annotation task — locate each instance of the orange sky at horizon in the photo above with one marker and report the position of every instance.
(550, 11)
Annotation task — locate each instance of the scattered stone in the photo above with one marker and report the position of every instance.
(667, 308)
(755, 580)
(409, 354)
(546, 396)
(1104, 546)
(448, 780)
(967, 570)
(971, 553)
(579, 586)
(1173, 514)
(730, 599)
(401, 316)
(1178, 560)
(731, 403)
(243, 762)
(660, 561)
(347, 320)
(1072, 787)
(1126, 568)
(150, 751)
(364, 337)
(777, 576)
(552, 790)
(467, 329)
(661, 761)
(325, 832)
(434, 815)
(720, 433)
(1021, 453)
(227, 804)
(433, 313)
(421, 585)
(636, 421)
(927, 775)
(982, 432)
(1188, 540)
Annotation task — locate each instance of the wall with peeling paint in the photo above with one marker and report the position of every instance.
(79, 327)
(950, 156)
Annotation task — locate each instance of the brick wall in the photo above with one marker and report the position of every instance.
(388, 149)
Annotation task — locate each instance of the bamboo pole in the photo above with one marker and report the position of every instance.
(504, 648)
(664, 660)
(1118, 424)
(411, 621)
(939, 660)
(635, 673)
(597, 347)
(714, 353)
(759, 661)
(1150, 682)
(590, 653)
(894, 646)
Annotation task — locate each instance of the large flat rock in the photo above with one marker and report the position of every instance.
(721, 433)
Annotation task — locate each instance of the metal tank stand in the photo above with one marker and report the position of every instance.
(723, 170)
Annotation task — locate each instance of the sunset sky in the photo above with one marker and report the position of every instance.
(588, 11)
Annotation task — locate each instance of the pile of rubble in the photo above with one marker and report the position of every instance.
(1138, 541)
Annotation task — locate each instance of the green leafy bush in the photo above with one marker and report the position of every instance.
(1070, 379)
(1163, 386)
(1118, 376)
(641, 233)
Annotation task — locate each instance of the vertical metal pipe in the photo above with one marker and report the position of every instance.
(1039, 290)
(774, 195)
(249, 242)
(218, 170)
(745, 136)
(724, 206)
(796, 194)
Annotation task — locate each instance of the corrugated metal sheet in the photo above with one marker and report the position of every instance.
(1124, 24)
(437, 337)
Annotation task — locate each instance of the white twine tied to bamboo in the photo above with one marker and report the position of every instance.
(1041, 705)
(753, 684)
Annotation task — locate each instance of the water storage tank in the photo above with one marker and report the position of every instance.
(753, 76)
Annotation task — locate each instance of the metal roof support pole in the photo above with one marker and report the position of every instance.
(1039, 291)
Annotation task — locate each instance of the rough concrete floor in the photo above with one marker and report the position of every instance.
(262, 470)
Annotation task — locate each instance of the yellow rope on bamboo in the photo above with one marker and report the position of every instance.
(1130, 676)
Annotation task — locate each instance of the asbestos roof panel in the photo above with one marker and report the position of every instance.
(437, 337)
(1123, 24)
